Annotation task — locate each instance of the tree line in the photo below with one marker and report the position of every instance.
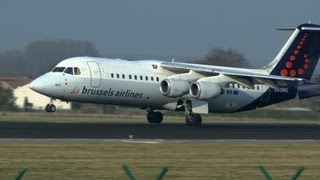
(40, 56)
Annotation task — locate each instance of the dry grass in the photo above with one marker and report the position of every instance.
(185, 161)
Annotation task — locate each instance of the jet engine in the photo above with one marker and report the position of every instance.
(174, 87)
(204, 90)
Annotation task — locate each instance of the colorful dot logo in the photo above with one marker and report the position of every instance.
(288, 64)
(290, 69)
(284, 72)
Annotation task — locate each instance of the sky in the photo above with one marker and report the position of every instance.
(180, 29)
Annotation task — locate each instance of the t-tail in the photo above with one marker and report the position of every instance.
(299, 56)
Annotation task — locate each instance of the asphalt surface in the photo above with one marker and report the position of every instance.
(162, 131)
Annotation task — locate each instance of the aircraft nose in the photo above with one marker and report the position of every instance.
(38, 85)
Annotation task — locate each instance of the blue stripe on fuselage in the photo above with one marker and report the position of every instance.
(272, 96)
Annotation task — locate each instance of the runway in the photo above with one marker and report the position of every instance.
(171, 131)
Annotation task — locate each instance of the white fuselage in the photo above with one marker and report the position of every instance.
(131, 83)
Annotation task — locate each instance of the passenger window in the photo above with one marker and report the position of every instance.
(112, 75)
(257, 87)
(118, 76)
(123, 76)
(130, 77)
(151, 78)
(146, 78)
(157, 79)
(141, 78)
(76, 71)
(58, 69)
(69, 70)
(135, 77)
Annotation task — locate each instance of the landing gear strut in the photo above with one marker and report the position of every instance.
(154, 117)
(51, 107)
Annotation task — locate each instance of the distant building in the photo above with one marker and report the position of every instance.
(37, 100)
(27, 98)
(5, 85)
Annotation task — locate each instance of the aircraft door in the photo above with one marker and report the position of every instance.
(95, 74)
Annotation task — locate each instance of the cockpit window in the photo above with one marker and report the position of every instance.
(77, 71)
(69, 70)
(58, 69)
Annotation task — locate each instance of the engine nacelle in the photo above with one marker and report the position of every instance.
(204, 90)
(174, 87)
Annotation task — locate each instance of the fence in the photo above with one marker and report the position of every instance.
(164, 170)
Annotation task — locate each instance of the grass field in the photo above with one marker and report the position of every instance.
(185, 161)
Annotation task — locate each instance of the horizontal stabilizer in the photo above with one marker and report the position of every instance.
(308, 89)
(285, 29)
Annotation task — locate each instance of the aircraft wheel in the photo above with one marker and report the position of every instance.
(159, 118)
(154, 117)
(51, 108)
(48, 107)
(194, 120)
(188, 120)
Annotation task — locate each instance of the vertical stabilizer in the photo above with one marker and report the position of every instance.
(299, 56)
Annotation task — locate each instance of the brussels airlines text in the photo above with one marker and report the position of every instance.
(110, 92)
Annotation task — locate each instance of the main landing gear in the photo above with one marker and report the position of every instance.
(154, 117)
(194, 120)
(191, 118)
(51, 107)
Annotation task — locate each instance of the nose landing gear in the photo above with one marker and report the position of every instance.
(51, 107)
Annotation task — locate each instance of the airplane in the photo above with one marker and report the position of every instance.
(193, 88)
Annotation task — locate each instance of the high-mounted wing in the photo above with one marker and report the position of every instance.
(240, 75)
